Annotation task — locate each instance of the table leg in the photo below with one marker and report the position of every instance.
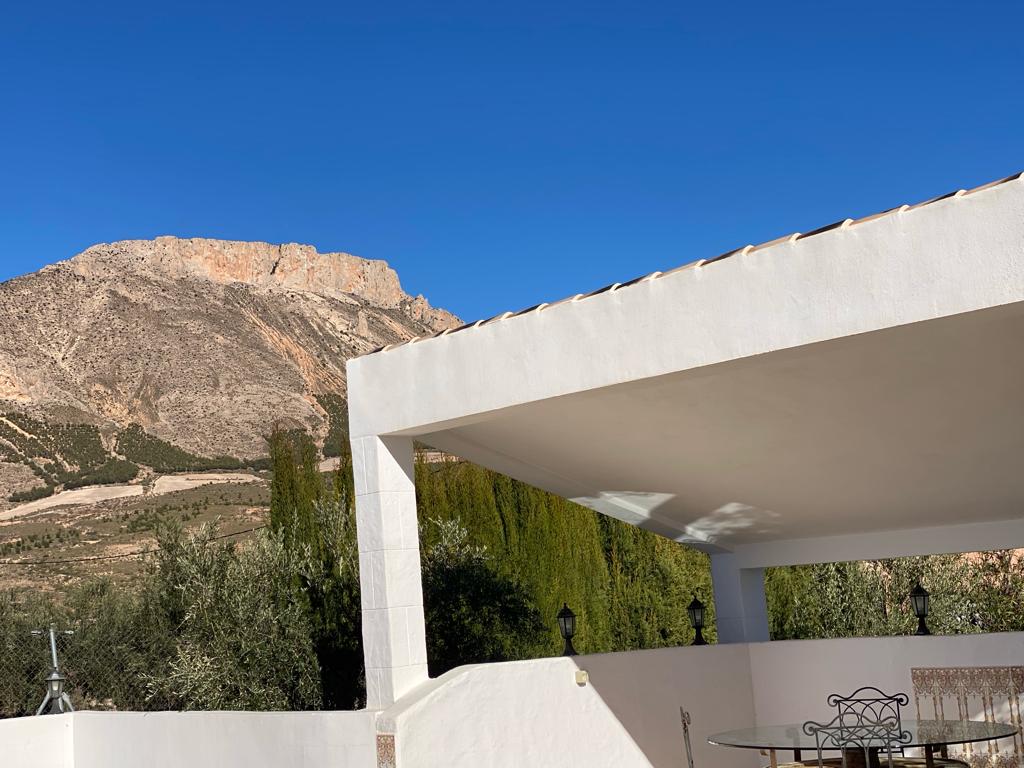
(797, 756)
(772, 759)
(929, 758)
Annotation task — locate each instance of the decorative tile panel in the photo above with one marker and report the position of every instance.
(992, 694)
(386, 750)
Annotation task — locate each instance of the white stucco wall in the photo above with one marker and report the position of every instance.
(534, 713)
(955, 255)
(645, 689)
(791, 679)
(192, 739)
(509, 715)
(39, 742)
(530, 713)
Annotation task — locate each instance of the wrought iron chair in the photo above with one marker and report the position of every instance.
(864, 735)
(869, 704)
(867, 707)
(684, 717)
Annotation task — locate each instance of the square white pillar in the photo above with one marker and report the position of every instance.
(394, 638)
(741, 612)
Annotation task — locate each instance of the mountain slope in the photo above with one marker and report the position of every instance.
(204, 343)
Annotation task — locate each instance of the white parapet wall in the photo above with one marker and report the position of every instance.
(792, 679)
(190, 739)
(530, 713)
(536, 713)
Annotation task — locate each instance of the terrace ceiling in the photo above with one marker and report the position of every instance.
(862, 380)
(916, 426)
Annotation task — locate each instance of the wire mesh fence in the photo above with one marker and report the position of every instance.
(103, 672)
(203, 624)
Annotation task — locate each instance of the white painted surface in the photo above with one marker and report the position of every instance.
(741, 610)
(814, 396)
(523, 713)
(976, 536)
(952, 256)
(857, 381)
(192, 739)
(509, 716)
(391, 591)
(533, 714)
(37, 742)
(645, 689)
(791, 679)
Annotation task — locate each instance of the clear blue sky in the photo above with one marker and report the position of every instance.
(496, 154)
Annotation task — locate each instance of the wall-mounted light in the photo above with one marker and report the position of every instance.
(696, 612)
(567, 627)
(919, 601)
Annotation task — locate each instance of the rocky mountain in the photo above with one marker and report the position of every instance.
(204, 344)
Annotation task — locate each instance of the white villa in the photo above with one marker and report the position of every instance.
(851, 393)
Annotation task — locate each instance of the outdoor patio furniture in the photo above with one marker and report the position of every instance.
(868, 705)
(931, 735)
(860, 738)
(684, 718)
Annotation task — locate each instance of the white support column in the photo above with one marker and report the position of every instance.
(741, 613)
(394, 640)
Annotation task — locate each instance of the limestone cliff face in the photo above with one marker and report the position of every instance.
(286, 267)
(206, 343)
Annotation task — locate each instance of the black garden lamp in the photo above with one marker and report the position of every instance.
(567, 626)
(919, 600)
(55, 684)
(696, 611)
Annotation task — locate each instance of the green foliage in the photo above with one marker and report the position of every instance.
(981, 592)
(243, 640)
(44, 540)
(652, 580)
(72, 455)
(111, 472)
(628, 588)
(210, 626)
(146, 520)
(32, 494)
(336, 442)
(276, 623)
(316, 521)
(140, 447)
(473, 614)
(296, 488)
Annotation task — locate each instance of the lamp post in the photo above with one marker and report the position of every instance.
(696, 612)
(567, 627)
(56, 697)
(919, 600)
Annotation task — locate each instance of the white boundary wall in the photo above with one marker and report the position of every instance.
(190, 740)
(533, 713)
(530, 713)
(791, 679)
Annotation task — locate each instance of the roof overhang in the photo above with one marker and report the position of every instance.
(863, 381)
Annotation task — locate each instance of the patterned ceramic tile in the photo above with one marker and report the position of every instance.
(992, 694)
(385, 750)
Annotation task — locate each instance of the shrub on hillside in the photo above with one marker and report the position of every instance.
(140, 447)
(32, 494)
(112, 472)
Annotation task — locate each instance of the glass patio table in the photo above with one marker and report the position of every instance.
(928, 734)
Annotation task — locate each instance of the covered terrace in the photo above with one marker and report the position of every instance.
(850, 393)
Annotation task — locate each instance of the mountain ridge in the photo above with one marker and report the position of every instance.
(205, 344)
